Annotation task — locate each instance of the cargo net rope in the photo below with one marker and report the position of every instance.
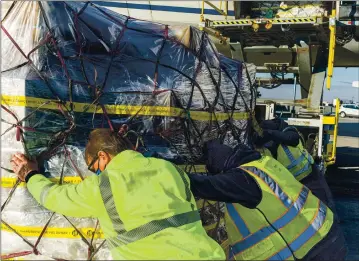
(71, 67)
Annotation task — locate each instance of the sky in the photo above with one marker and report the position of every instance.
(341, 87)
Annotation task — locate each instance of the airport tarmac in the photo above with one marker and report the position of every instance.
(343, 179)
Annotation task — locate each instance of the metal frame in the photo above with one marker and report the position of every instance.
(313, 123)
(311, 79)
(303, 52)
(333, 120)
(330, 156)
(332, 24)
(264, 21)
(341, 23)
(305, 69)
(218, 9)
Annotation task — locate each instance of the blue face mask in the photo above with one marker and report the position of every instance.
(98, 171)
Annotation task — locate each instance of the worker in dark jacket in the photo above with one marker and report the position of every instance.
(284, 143)
(270, 215)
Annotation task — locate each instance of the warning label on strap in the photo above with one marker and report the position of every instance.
(53, 232)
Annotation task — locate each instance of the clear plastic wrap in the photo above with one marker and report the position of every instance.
(301, 9)
(70, 67)
(279, 9)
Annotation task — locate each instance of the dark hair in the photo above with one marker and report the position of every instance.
(106, 140)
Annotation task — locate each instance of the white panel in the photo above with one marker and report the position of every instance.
(172, 17)
(218, 17)
(192, 4)
(140, 13)
(123, 11)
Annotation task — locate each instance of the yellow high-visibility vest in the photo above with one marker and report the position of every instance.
(264, 151)
(144, 205)
(289, 221)
(296, 159)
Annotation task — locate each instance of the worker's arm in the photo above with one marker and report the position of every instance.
(234, 186)
(289, 138)
(74, 200)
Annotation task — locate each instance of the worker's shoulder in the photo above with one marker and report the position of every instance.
(160, 162)
(163, 164)
(92, 179)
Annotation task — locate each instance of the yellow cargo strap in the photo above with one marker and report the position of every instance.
(53, 232)
(31, 102)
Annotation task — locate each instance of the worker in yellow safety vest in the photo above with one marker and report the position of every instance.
(144, 205)
(270, 215)
(285, 144)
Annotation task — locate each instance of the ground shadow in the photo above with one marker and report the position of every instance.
(343, 179)
(349, 129)
(348, 210)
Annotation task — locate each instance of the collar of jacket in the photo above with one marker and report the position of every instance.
(241, 156)
(123, 158)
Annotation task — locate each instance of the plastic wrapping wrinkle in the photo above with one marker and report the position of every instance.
(168, 84)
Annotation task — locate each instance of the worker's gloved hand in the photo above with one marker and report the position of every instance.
(216, 155)
(22, 166)
(275, 124)
(259, 141)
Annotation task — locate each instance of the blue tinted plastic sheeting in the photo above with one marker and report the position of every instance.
(82, 53)
(132, 62)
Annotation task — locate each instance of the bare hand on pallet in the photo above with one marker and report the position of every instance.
(22, 166)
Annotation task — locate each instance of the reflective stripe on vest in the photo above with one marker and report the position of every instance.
(153, 227)
(125, 237)
(255, 238)
(108, 200)
(277, 190)
(313, 228)
(293, 208)
(186, 184)
(304, 157)
(241, 225)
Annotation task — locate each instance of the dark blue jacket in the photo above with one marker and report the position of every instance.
(234, 185)
(273, 136)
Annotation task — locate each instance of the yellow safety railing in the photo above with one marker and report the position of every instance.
(219, 9)
(213, 32)
(332, 158)
(335, 138)
(332, 28)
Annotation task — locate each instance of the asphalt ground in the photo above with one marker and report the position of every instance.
(343, 179)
